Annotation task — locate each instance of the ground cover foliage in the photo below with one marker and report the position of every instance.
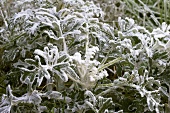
(75, 56)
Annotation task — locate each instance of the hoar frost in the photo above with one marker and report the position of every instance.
(70, 48)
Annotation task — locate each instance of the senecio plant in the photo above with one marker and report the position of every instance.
(61, 56)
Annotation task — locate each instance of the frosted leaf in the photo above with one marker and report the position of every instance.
(131, 22)
(167, 46)
(72, 73)
(102, 75)
(5, 109)
(122, 79)
(126, 25)
(149, 52)
(121, 24)
(7, 101)
(66, 99)
(27, 13)
(163, 32)
(46, 14)
(39, 80)
(2, 30)
(75, 32)
(74, 2)
(64, 76)
(76, 57)
(120, 111)
(150, 103)
(34, 98)
(91, 95)
(162, 63)
(159, 45)
(50, 34)
(67, 18)
(53, 95)
(158, 33)
(127, 43)
(46, 22)
(46, 73)
(90, 104)
(33, 29)
(40, 53)
(21, 2)
(61, 65)
(135, 53)
(27, 81)
(164, 26)
(91, 52)
(107, 103)
(61, 74)
(42, 108)
(164, 91)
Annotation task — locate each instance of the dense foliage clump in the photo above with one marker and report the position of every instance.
(84, 56)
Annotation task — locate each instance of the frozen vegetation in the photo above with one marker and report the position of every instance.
(75, 56)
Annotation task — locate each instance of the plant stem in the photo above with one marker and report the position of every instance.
(109, 63)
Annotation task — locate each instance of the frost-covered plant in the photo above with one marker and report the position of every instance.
(148, 13)
(60, 56)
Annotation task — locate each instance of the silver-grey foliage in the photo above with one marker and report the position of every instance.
(61, 50)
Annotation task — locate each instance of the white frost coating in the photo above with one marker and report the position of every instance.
(54, 95)
(34, 97)
(77, 57)
(92, 79)
(49, 10)
(91, 52)
(88, 72)
(22, 1)
(27, 13)
(159, 46)
(34, 28)
(158, 33)
(162, 63)
(64, 75)
(149, 52)
(28, 70)
(153, 103)
(75, 32)
(150, 103)
(135, 53)
(40, 53)
(127, 43)
(131, 22)
(161, 32)
(74, 1)
(134, 43)
(50, 56)
(164, 26)
(46, 14)
(39, 80)
(102, 74)
(46, 73)
(94, 75)
(50, 34)
(8, 100)
(91, 95)
(167, 46)
(69, 17)
(1, 30)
